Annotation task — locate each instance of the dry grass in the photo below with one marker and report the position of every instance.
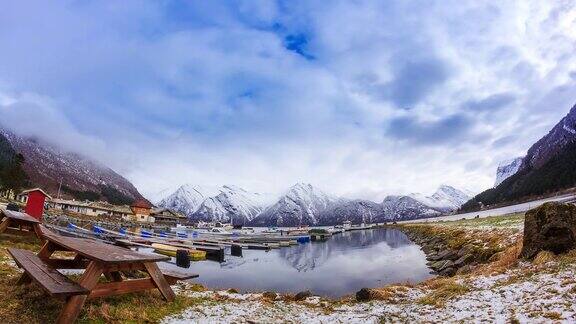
(442, 290)
(553, 316)
(508, 259)
(543, 257)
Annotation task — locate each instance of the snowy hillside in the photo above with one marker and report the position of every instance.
(396, 208)
(47, 165)
(301, 205)
(232, 204)
(188, 198)
(445, 199)
(506, 169)
(211, 203)
(304, 204)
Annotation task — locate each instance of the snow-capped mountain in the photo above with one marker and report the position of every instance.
(188, 198)
(301, 205)
(304, 204)
(211, 203)
(356, 211)
(506, 169)
(47, 165)
(448, 198)
(445, 199)
(396, 208)
(233, 204)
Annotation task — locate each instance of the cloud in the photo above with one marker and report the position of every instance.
(362, 98)
(492, 102)
(450, 129)
(414, 80)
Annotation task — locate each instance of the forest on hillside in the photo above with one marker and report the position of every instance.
(559, 173)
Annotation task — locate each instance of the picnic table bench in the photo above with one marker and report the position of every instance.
(97, 258)
(18, 223)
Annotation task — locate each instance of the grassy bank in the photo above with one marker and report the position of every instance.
(29, 304)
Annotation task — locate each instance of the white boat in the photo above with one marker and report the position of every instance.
(346, 225)
(271, 230)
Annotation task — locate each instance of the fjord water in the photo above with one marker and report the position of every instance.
(342, 265)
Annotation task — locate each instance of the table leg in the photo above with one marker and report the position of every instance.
(74, 304)
(38, 232)
(159, 281)
(4, 224)
(47, 250)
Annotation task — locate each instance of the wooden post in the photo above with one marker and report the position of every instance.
(159, 280)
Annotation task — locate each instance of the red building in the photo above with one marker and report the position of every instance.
(34, 199)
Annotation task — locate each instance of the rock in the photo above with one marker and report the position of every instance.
(364, 295)
(437, 265)
(466, 249)
(465, 269)
(446, 265)
(303, 295)
(270, 295)
(464, 260)
(448, 272)
(232, 291)
(446, 254)
(550, 227)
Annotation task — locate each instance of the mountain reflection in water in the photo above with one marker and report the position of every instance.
(340, 266)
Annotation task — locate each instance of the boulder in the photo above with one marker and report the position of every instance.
(364, 295)
(465, 259)
(446, 265)
(550, 227)
(448, 272)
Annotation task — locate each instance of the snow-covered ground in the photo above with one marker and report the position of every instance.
(497, 211)
(514, 295)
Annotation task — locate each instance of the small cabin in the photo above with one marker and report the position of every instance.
(142, 210)
(35, 200)
(167, 216)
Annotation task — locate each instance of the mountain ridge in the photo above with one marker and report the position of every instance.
(304, 204)
(46, 166)
(548, 167)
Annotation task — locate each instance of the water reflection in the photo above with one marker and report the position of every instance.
(342, 265)
(306, 257)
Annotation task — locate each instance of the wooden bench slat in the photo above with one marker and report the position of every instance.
(176, 274)
(47, 277)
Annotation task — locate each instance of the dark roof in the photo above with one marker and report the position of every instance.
(140, 203)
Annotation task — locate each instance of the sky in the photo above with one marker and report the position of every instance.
(360, 98)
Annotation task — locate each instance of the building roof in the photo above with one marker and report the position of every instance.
(99, 205)
(140, 203)
(160, 210)
(35, 189)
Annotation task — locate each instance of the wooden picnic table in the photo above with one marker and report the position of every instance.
(97, 258)
(18, 223)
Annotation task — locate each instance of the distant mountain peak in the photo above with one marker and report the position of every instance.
(226, 203)
(506, 169)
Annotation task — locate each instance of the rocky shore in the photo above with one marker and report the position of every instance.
(449, 252)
